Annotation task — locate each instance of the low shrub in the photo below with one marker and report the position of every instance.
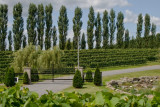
(9, 78)
(89, 77)
(25, 78)
(34, 75)
(97, 77)
(77, 80)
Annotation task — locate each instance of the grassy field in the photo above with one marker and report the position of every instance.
(124, 66)
(91, 88)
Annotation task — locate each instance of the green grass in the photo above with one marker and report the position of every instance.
(124, 66)
(91, 88)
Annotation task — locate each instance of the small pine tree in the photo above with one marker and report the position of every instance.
(25, 78)
(89, 77)
(77, 80)
(97, 77)
(9, 78)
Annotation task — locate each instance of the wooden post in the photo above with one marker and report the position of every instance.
(28, 70)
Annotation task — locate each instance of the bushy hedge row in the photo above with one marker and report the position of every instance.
(14, 97)
(109, 57)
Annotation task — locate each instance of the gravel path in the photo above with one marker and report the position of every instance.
(59, 85)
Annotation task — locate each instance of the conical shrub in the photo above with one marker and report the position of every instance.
(25, 78)
(77, 80)
(9, 78)
(97, 77)
(89, 77)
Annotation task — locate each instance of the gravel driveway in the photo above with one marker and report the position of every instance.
(59, 85)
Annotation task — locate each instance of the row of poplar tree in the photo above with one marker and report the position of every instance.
(100, 31)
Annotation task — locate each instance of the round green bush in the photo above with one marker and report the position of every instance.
(77, 80)
(25, 78)
(9, 78)
(97, 77)
(89, 77)
(34, 75)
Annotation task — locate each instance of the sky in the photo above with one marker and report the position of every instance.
(130, 8)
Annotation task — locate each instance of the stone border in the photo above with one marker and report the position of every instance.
(108, 84)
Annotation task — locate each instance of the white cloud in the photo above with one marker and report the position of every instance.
(155, 20)
(99, 5)
(130, 17)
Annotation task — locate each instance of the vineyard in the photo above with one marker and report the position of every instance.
(110, 57)
(14, 97)
(90, 58)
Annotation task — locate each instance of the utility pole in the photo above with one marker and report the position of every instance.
(78, 52)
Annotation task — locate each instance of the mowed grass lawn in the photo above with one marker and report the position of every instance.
(91, 88)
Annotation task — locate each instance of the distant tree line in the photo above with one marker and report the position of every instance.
(100, 30)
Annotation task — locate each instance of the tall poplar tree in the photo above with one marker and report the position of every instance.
(158, 40)
(48, 31)
(152, 38)
(90, 28)
(54, 36)
(105, 33)
(24, 41)
(98, 31)
(83, 42)
(3, 26)
(31, 24)
(112, 27)
(17, 26)
(120, 30)
(63, 27)
(126, 41)
(10, 40)
(68, 46)
(139, 31)
(77, 24)
(40, 25)
(147, 30)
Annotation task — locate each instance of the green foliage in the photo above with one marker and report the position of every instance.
(77, 24)
(89, 77)
(54, 36)
(24, 41)
(126, 42)
(50, 58)
(9, 78)
(16, 97)
(112, 27)
(147, 30)
(62, 27)
(48, 31)
(34, 75)
(90, 28)
(105, 32)
(77, 80)
(68, 45)
(83, 42)
(25, 78)
(17, 26)
(98, 31)
(10, 40)
(40, 24)
(3, 25)
(139, 31)
(97, 77)
(120, 30)
(26, 57)
(31, 24)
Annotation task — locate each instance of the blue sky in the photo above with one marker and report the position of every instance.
(130, 8)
